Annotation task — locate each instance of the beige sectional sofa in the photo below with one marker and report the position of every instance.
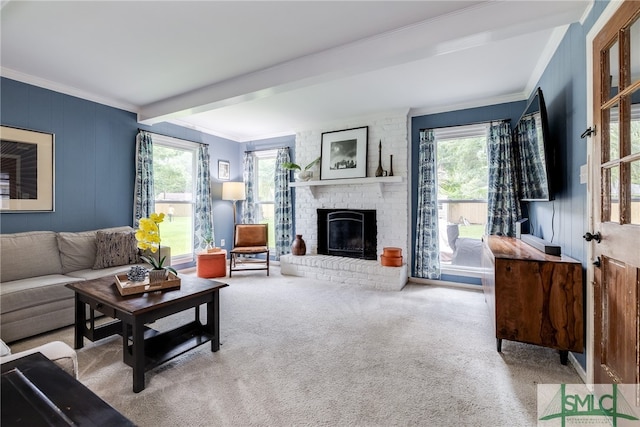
(35, 266)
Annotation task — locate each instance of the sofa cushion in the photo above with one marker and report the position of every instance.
(28, 254)
(34, 292)
(115, 248)
(78, 250)
(36, 320)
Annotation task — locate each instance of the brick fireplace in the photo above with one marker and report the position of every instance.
(389, 199)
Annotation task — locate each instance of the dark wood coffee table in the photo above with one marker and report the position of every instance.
(145, 348)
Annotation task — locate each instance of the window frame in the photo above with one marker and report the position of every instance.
(450, 133)
(181, 144)
(263, 155)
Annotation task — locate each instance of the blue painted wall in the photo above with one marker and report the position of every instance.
(563, 83)
(223, 209)
(94, 159)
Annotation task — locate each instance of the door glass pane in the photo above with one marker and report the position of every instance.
(635, 123)
(614, 78)
(615, 193)
(635, 192)
(614, 133)
(635, 51)
(605, 176)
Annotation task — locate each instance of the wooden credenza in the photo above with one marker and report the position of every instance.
(533, 297)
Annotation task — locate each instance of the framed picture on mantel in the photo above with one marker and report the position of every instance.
(344, 154)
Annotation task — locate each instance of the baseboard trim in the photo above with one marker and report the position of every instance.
(431, 282)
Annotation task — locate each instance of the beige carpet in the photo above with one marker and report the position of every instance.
(302, 352)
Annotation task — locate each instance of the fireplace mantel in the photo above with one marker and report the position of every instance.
(379, 181)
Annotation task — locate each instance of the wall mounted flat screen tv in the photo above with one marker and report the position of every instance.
(535, 152)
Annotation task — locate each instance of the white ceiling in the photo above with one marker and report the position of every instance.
(249, 70)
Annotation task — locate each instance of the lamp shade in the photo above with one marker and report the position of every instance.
(233, 191)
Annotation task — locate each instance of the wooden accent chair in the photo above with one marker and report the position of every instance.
(249, 239)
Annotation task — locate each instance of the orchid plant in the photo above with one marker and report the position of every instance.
(148, 237)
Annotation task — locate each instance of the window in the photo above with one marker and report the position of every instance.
(462, 196)
(264, 185)
(174, 171)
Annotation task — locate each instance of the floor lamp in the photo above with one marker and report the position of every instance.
(233, 191)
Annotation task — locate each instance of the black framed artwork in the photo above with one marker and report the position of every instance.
(344, 154)
(26, 170)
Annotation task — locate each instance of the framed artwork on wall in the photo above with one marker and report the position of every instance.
(26, 170)
(223, 170)
(344, 154)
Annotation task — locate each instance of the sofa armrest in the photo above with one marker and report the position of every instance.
(56, 351)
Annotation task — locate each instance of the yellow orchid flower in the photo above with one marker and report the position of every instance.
(148, 237)
(148, 225)
(157, 218)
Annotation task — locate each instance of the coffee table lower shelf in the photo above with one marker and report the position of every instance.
(145, 348)
(160, 347)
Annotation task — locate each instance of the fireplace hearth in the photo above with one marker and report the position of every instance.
(347, 232)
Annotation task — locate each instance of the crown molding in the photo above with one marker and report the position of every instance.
(503, 99)
(67, 90)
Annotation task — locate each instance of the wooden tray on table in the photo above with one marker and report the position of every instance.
(125, 287)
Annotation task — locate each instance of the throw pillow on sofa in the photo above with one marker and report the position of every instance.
(114, 249)
(78, 249)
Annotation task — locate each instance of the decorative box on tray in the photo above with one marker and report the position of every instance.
(126, 287)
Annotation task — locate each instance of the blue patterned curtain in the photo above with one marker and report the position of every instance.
(427, 247)
(248, 205)
(503, 206)
(203, 232)
(533, 179)
(144, 198)
(283, 219)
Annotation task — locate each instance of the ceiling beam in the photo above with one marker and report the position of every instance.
(482, 24)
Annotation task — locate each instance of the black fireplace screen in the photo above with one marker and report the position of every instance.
(347, 232)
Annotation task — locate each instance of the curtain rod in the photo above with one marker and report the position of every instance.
(488, 122)
(169, 136)
(266, 149)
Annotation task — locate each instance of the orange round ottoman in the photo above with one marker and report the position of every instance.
(211, 264)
